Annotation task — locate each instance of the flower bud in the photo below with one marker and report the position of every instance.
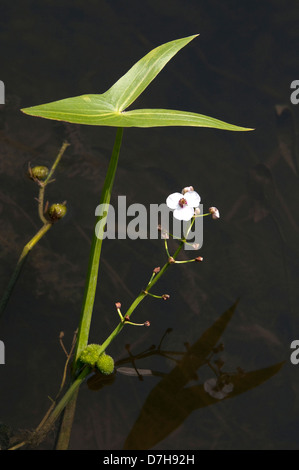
(38, 172)
(90, 354)
(215, 212)
(187, 189)
(57, 211)
(147, 323)
(105, 364)
(165, 296)
(199, 259)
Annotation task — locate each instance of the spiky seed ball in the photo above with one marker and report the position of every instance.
(105, 364)
(90, 354)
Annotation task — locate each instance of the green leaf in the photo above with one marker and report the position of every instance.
(125, 91)
(171, 117)
(108, 109)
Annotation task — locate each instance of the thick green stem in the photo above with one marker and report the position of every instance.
(95, 253)
(90, 290)
(66, 424)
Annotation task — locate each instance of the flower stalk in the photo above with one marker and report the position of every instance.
(42, 231)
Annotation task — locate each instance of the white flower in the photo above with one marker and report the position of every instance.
(183, 204)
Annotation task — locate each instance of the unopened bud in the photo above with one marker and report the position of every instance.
(215, 212)
(118, 305)
(38, 172)
(164, 235)
(57, 211)
(147, 323)
(171, 260)
(165, 296)
(157, 270)
(187, 189)
(197, 211)
(199, 259)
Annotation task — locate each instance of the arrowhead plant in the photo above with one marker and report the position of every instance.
(111, 109)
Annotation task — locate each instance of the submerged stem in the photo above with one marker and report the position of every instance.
(26, 250)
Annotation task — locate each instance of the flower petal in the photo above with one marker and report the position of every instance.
(173, 200)
(184, 213)
(192, 198)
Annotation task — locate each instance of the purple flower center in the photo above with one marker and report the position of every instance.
(183, 202)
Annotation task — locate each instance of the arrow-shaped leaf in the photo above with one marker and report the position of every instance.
(137, 79)
(108, 109)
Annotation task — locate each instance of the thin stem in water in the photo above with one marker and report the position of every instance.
(28, 247)
(26, 250)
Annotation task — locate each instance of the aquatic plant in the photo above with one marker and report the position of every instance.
(110, 109)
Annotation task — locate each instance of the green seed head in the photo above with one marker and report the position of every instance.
(105, 364)
(57, 211)
(90, 354)
(39, 172)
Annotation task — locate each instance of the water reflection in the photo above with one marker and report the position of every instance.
(171, 401)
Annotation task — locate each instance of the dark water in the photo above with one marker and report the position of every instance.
(239, 70)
